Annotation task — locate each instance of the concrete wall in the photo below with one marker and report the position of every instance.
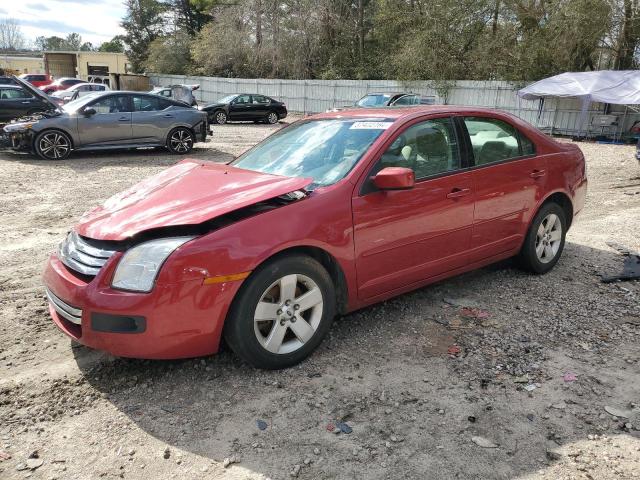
(19, 65)
(560, 116)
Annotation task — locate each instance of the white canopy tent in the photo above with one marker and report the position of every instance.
(620, 87)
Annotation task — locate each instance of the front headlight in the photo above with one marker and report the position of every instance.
(139, 266)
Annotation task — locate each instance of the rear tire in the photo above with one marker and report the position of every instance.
(52, 145)
(281, 313)
(272, 118)
(544, 242)
(180, 141)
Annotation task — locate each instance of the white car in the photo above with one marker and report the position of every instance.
(79, 90)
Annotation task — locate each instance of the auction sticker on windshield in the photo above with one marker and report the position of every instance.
(370, 125)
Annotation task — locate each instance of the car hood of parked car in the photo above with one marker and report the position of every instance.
(189, 193)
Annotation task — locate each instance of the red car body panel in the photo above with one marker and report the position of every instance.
(188, 193)
(37, 83)
(383, 242)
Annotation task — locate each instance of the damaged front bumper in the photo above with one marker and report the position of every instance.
(20, 138)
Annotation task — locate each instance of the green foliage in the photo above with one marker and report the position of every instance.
(115, 45)
(143, 23)
(514, 40)
(72, 43)
(169, 54)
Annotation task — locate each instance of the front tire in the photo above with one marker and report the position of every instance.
(220, 117)
(180, 141)
(281, 313)
(544, 242)
(52, 145)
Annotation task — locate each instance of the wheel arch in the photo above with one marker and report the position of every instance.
(562, 199)
(52, 129)
(328, 261)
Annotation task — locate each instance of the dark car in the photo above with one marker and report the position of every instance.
(61, 84)
(7, 81)
(245, 106)
(17, 101)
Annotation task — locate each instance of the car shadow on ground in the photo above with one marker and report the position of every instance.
(94, 160)
(413, 402)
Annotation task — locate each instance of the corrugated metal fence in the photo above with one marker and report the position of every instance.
(560, 116)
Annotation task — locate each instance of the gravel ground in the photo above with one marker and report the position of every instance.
(537, 378)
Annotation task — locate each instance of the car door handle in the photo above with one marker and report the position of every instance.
(124, 119)
(168, 115)
(26, 101)
(537, 173)
(458, 192)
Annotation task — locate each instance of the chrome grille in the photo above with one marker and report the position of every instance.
(73, 314)
(82, 257)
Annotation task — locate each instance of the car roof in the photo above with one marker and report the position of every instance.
(396, 113)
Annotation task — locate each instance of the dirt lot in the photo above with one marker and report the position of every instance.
(524, 397)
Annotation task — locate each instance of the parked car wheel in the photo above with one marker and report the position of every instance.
(52, 145)
(220, 117)
(180, 140)
(272, 118)
(544, 242)
(281, 313)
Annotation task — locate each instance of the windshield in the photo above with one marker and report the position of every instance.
(373, 100)
(80, 102)
(325, 150)
(227, 99)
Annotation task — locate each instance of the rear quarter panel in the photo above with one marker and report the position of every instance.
(567, 174)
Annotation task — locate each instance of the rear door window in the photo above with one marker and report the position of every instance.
(494, 140)
(144, 103)
(260, 100)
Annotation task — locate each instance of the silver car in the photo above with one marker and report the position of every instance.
(109, 120)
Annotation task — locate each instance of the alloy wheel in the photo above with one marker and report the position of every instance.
(221, 118)
(548, 238)
(54, 146)
(272, 118)
(181, 141)
(288, 314)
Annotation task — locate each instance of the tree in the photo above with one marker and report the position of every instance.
(169, 54)
(143, 23)
(73, 42)
(11, 37)
(115, 45)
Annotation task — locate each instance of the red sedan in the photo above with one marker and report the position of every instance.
(326, 216)
(61, 84)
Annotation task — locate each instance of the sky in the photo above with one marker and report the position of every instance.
(96, 21)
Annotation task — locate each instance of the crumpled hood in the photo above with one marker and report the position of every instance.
(188, 193)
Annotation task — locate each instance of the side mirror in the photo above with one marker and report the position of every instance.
(395, 178)
(89, 111)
